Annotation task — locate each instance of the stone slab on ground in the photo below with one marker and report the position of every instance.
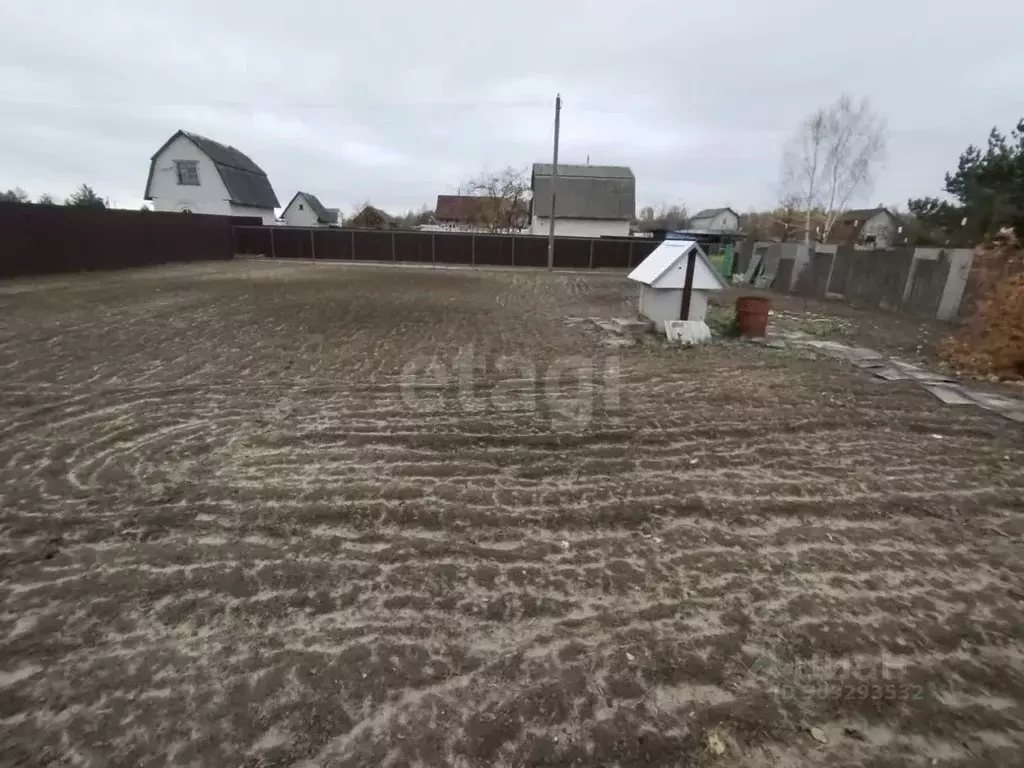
(863, 353)
(618, 342)
(993, 401)
(950, 395)
(870, 362)
(890, 374)
(832, 348)
(921, 374)
(631, 327)
(948, 390)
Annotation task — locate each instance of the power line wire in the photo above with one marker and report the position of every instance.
(349, 105)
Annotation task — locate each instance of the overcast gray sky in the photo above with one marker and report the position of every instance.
(395, 102)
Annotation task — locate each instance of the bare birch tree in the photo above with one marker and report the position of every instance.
(831, 160)
(504, 204)
(663, 217)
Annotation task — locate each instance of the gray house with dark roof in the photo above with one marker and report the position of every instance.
(590, 200)
(306, 210)
(193, 174)
(715, 220)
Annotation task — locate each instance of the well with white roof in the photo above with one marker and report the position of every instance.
(662, 278)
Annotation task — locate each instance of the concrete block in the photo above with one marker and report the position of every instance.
(960, 260)
(630, 327)
(688, 332)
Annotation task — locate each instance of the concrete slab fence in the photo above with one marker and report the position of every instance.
(929, 282)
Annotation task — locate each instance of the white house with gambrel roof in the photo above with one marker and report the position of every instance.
(193, 174)
(306, 210)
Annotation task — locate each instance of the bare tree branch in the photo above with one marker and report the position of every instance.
(662, 217)
(504, 199)
(831, 160)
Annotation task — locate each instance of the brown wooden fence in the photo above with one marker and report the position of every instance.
(47, 239)
(41, 239)
(440, 247)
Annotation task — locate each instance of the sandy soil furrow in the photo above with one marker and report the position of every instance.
(270, 514)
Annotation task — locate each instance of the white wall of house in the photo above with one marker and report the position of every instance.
(210, 196)
(724, 221)
(580, 227)
(458, 226)
(299, 214)
(660, 305)
(880, 229)
(267, 214)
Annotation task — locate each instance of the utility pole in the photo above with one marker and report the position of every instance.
(554, 184)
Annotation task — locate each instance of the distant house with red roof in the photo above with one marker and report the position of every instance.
(478, 213)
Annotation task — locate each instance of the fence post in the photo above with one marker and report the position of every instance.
(629, 259)
(393, 257)
(312, 244)
(353, 234)
(513, 249)
(591, 254)
(472, 250)
(908, 284)
(273, 251)
(433, 249)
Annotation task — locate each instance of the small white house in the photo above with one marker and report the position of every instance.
(193, 174)
(662, 276)
(871, 227)
(306, 210)
(715, 220)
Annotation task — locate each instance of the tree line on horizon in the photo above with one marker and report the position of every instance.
(83, 197)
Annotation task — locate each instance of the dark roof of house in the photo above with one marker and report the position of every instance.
(323, 214)
(710, 213)
(863, 214)
(370, 218)
(850, 224)
(464, 208)
(246, 182)
(585, 192)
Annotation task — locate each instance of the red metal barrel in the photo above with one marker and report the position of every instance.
(752, 315)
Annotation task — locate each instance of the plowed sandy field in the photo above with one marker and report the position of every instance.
(304, 515)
